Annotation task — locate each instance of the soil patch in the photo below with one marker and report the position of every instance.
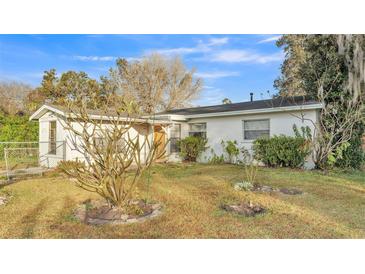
(291, 191)
(245, 209)
(269, 189)
(98, 213)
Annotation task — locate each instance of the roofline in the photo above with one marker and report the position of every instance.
(37, 114)
(251, 111)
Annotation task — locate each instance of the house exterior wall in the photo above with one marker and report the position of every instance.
(65, 147)
(72, 153)
(217, 129)
(47, 159)
(231, 128)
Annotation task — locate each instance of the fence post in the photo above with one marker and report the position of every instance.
(6, 163)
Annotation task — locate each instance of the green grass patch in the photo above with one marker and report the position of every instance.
(332, 206)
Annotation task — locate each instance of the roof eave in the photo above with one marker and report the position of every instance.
(254, 111)
(43, 110)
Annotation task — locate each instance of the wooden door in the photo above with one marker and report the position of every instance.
(159, 139)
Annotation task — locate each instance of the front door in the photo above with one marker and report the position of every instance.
(159, 139)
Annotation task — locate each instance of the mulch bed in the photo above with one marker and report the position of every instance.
(98, 213)
(245, 209)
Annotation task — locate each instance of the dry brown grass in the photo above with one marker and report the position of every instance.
(333, 206)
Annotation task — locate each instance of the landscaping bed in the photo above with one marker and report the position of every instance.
(332, 206)
(98, 213)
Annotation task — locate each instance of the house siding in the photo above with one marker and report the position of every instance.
(230, 128)
(46, 159)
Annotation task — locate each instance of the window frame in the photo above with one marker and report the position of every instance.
(175, 138)
(204, 132)
(254, 120)
(52, 138)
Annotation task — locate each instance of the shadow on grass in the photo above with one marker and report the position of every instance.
(65, 222)
(30, 220)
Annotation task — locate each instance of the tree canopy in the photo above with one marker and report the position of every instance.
(155, 82)
(69, 86)
(329, 68)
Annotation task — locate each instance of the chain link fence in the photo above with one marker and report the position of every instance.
(29, 158)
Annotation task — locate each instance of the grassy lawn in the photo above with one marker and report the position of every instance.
(333, 206)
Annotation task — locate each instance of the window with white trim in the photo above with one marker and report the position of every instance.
(175, 136)
(253, 129)
(52, 137)
(198, 129)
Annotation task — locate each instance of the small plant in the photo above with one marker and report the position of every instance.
(244, 185)
(231, 149)
(215, 159)
(250, 172)
(337, 154)
(191, 147)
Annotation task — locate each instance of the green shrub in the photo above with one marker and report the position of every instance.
(15, 128)
(354, 155)
(231, 149)
(282, 151)
(191, 147)
(215, 159)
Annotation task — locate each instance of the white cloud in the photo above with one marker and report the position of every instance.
(217, 41)
(212, 96)
(241, 56)
(201, 47)
(103, 58)
(178, 51)
(217, 74)
(270, 39)
(95, 58)
(133, 59)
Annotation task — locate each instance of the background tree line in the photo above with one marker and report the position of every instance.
(155, 83)
(331, 69)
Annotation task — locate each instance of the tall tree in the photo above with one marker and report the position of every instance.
(290, 81)
(155, 83)
(329, 72)
(12, 95)
(70, 85)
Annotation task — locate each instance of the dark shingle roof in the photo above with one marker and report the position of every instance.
(259, 104)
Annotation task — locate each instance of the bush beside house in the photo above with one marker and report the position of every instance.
(191, 147)
(282, 151)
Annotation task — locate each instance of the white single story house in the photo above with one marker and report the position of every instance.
(241, 122)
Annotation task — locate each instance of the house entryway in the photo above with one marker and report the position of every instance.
(159, 139)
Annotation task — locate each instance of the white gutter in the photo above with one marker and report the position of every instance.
(254, 111)
(34, 116)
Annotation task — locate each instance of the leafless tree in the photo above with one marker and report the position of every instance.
(156, 82)
(116, 147)
(12, 95)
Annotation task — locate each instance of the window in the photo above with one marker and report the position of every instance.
(52, 137)
(198, 129)
(253, 129)
(175, 135)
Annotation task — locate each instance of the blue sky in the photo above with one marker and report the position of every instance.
(232, 66)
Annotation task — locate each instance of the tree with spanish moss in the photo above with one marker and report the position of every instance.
(330, 69)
